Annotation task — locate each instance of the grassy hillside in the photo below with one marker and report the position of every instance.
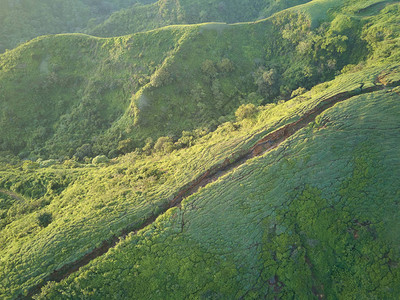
(184, 107)
(58, 207)
(23, 20)
(64, 92)
(167, 12)
(26, 19)
(315, 218)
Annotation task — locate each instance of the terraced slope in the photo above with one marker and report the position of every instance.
(266, 144)
(127, 194)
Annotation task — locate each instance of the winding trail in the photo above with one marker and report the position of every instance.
(267, 143)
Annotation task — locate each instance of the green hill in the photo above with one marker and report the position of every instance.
(254, 160)
(167, 12)
(26, 19)
(66, 91)
(315, 218)
(23, 20)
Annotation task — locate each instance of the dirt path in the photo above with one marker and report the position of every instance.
(265, 144)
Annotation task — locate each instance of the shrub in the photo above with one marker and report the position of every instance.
(298, 92)
(100, 159)
(267, 82)
(47, 163)
(226, 66)
(148, 146)
(186, 140)
(125, 146)
(82, 151)
(246, 111)
(161, 77)
(30, 165)
(164, 144)
(44, 219)
(70, 163)
(208, 68)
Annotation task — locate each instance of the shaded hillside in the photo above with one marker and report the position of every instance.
(26, 19)
(64, 92)
(167, 12)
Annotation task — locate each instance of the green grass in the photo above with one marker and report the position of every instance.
(123, 194)
(27, 19)
(162, 13)
(318, 215)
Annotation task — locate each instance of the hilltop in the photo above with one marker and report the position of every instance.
(26, 19)
(168, 12)
(23, 20)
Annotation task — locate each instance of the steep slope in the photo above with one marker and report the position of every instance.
(66, 91)
(315, 216)
(26, 19)
(121, 197)
(69, 87)
(168, 12)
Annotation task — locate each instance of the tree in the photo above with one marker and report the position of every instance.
(125, 146)
(267, 82)
(100, 159)
(246, 111)
(83, 151)
(208, 68)
(164, 144)
(226, 66)
(44, 219)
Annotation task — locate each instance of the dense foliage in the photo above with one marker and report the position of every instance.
(315, 218)
(27, 19)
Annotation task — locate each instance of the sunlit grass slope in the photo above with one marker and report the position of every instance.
(91, 203)
(317, 217)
